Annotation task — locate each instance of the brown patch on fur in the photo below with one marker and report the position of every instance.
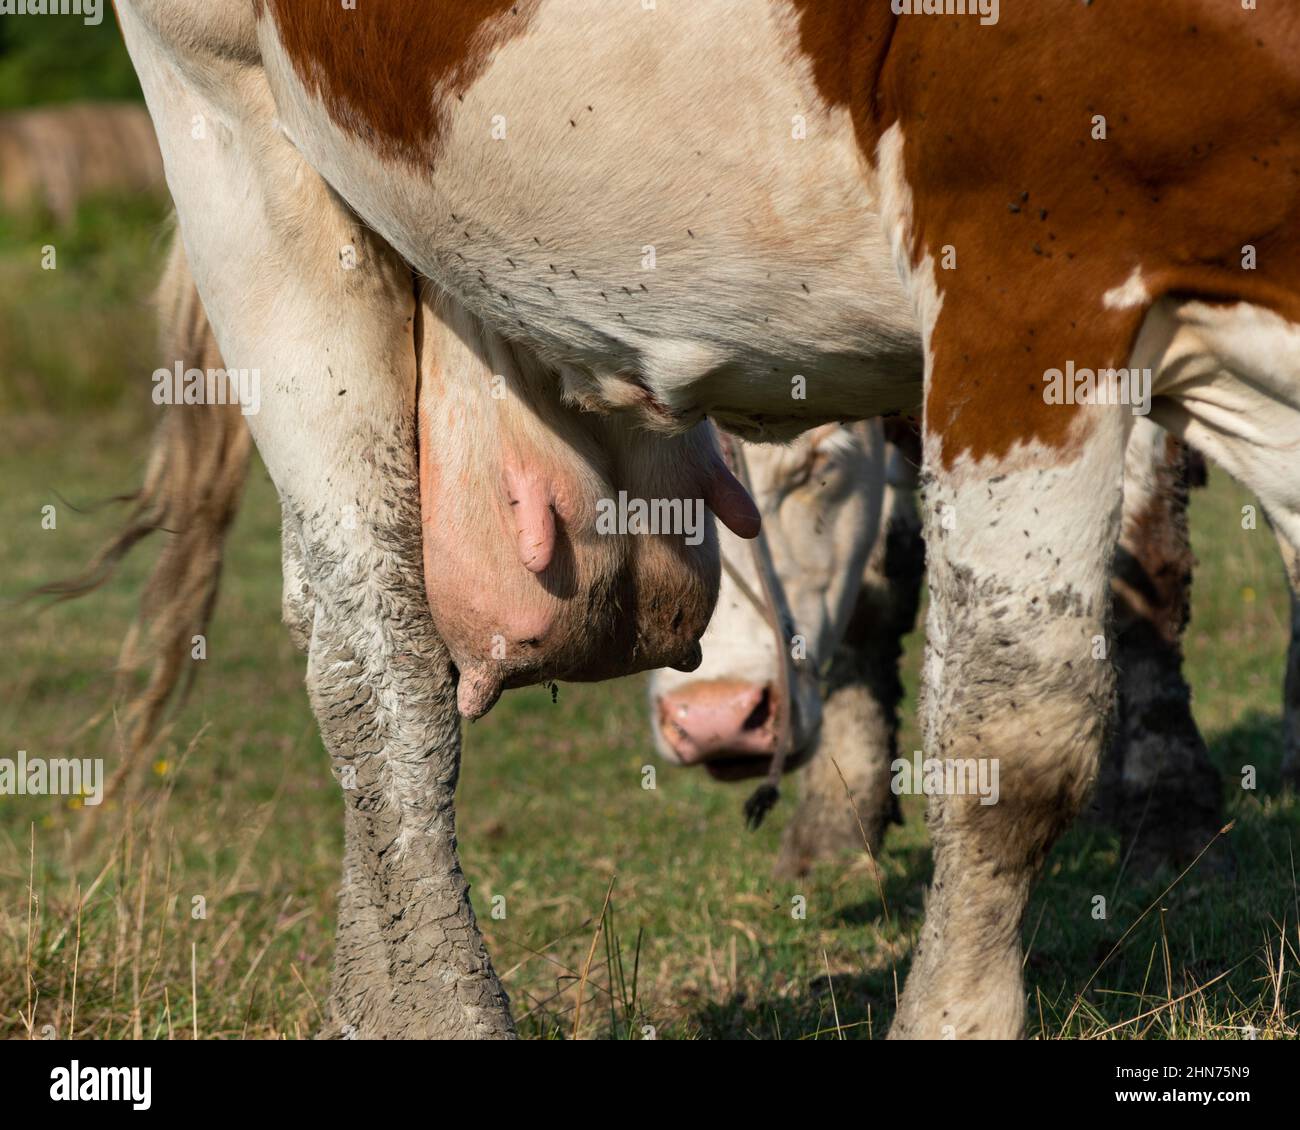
(1153, 569)
(387, 70)
(845, 42)
(999, 158)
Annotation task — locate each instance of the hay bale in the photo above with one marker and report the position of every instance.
(55, 156)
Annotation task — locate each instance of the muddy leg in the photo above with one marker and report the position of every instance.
(1158, 786)
(380, 682)
(411, 963)
(1015, 707)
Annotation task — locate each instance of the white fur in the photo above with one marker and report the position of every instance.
(769, 261)
(821, 528)
(1228, 382)
(1131, 292)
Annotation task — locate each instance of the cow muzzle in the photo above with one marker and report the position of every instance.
(730, 727)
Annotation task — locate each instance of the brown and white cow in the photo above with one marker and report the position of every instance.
(682, 210)
(821, 500)
(1157, 785)
(843, 531)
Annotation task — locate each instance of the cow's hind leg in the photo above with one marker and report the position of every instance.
(321, 315)
(1230, 379)
(1157, 786)
(1018, 694)
(405, 921)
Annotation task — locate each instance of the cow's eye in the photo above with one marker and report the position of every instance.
(825, 463)
(827, 471)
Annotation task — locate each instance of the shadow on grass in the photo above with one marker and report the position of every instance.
(1256, 740)
(851, 1006)
(1196, 956)
(844, 1004)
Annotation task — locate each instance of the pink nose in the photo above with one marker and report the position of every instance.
(718, 718)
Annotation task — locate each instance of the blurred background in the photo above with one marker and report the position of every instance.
(101, 933)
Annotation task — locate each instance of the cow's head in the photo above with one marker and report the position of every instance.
(558, 544)
(820, 500)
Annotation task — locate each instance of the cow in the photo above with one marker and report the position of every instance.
(785, 608)
(820, 499)
(641, 216)
(1157, 785)
(843, 531)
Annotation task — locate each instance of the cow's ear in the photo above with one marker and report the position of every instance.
(730, 501)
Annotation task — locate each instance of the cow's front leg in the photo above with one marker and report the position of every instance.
(859, 735)
(1291, 703)
(845, 803)
(1018, 693)
(1157, 786)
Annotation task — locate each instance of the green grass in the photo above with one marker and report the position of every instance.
(77, 332)
(699, 941)
(44, 61)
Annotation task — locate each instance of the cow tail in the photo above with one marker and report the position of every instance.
(194, 478)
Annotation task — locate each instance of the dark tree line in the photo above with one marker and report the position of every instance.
(61, 58)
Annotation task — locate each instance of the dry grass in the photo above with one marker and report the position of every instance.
(654, 908)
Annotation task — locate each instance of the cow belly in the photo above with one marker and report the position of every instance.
(657, 197)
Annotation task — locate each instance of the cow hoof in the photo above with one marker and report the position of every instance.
(1168, 851)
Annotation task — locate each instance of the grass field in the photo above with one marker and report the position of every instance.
(242, 814)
